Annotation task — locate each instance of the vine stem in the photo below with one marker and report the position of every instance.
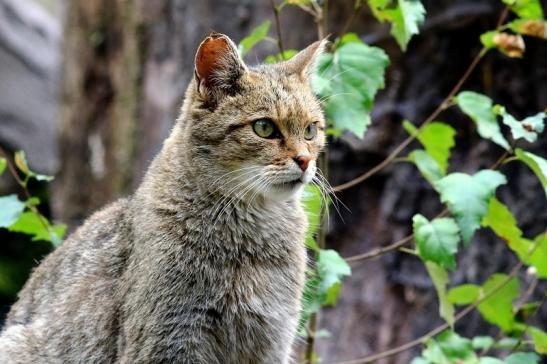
(422, 339)
(275, 10)
(395, 153)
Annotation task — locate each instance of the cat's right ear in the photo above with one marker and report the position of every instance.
(218, 67)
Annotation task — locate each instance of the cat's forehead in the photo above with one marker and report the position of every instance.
(286, 96)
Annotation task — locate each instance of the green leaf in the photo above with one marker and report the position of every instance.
(501, 221)
(498, 307)
(539, 337)
(405, 17)
(526, 9)
(467, 197)
(482, 342)
(428, 167)
(531, 27)
(439, 276)
(332, 268)
(10, 210)
(3, 164)
(348, 80)
(527, 129)
(487, 39)
(437, 139)
(420, 360)
(257, 35)
(312, 206)
(288, 54)
(437, 240)
(490, 360)
(464, 294)
(450, 348)
(21, 163)
(522, 358)
(538, 256)
(536, 163)
(29, 223)
(479, 108)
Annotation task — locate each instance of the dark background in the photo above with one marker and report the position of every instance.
(89, 89)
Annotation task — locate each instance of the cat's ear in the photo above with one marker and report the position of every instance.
(218, 66)
(305, 61)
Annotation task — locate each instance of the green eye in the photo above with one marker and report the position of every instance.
(265, 128)
(310, 132)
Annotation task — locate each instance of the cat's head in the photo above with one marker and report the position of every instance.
(253, 131)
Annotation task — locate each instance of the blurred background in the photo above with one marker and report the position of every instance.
(89, 89)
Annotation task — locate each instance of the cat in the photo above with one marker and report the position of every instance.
(205, 263)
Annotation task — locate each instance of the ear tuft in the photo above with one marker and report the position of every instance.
(218, 65)
(305, 61)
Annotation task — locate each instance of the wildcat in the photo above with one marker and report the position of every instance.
(205, 262)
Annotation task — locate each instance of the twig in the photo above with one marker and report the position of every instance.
(275, 10)
(444, 104)
(422, 339)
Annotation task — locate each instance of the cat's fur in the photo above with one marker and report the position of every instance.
(205, 262)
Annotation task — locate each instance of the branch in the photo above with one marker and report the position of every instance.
(275, 10)
(422, 339)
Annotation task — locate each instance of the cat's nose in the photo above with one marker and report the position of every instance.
(302, 161)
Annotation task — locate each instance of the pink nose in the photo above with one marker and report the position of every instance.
(302, 161)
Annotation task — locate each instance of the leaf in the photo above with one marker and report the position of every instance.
(332, 268)
(428, 167)
(312, 206)
(21, 163)
(257, 35)
(537, 164)
(287, 54)
(467, 197)
(490, 360)
(464, 294)
(538, 257)
(531, 27)
(437, 240)
(539, 337)
(439, 276)
(3, 164)
(348, 80)
(405, 17)
(497, 308)
(527, 9)
(482, 342)
(527, 129)
(29, 223)
(420, 360)
(501, 221)
(437, 139)
(479, 108)
(10, 210)
(450, 348)
(522, 358)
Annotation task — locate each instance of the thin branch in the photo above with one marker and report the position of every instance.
(444, 104)
(422, 339)
(275, 10)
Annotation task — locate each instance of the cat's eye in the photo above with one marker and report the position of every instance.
(311, 131)
(265, 128)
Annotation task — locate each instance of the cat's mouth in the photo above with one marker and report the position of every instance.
(289, 185)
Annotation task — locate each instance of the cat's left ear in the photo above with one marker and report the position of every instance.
(305, 61)
(218, 66)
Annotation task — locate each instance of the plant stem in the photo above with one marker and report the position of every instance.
(275, 10)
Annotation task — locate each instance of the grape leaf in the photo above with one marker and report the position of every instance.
(312, 206)
(437, 241)
(536, 163)
(479, 108)
(526, 9)
(428, 167)
(405, 17)
(332, 268)
(527, 129)
(348, 80)
(467, 197)
(464, 294)
(437, 139)
(439, 276)
(497, 308)
(10, 210)
(522, 358)
(29, 223)
(257, 35)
